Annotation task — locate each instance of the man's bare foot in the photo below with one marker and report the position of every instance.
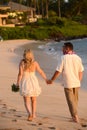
(76, 119)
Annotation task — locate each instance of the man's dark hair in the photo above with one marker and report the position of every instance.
(68, 45)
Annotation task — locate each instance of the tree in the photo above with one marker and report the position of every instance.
(4, 1)
(59, 10)
(47, 3)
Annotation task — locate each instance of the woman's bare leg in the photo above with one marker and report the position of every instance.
(27, 105)
(33, 101)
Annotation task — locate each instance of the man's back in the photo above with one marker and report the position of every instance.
(72, 65)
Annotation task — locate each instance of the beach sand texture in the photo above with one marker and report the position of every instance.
(52, 109)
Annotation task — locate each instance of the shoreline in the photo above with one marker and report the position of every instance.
(51, 61)
(52, 110)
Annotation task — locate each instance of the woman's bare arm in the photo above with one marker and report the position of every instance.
(38, 68)
(20, 73)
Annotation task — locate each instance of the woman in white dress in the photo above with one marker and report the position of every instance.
(28, 82)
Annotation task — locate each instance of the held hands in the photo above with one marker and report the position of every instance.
(49, 81)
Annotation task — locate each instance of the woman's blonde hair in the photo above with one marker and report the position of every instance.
(28, 58)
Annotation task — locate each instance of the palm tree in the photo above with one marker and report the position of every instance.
(42, 4)
(47, 2)
(76, 6)
(59, 10)
(38, 7)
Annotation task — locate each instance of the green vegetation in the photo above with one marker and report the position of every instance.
(52, 28)
(60, 20)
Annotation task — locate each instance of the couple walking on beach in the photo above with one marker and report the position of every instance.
(71, 68)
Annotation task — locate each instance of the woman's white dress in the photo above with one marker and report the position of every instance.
(29, 85)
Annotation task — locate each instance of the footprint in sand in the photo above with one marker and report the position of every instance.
(4, 106)
(84, 125)
(17, 115)
(2, 113)
(14, 120)
(34, 124)
(13, 110)
(52, 128)
(83, 122)
(40, 123)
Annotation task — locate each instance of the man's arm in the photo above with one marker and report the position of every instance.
(56, 74)
(80, 75)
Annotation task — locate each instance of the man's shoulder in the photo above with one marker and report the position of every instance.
(77, 56)
(69, 56)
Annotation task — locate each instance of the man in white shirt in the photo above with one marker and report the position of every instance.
(72, 70)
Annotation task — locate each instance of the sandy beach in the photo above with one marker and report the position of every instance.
(52, 109)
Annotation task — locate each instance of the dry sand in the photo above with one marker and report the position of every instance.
(52, 109)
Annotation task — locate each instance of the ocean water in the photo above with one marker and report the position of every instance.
(80, 47)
